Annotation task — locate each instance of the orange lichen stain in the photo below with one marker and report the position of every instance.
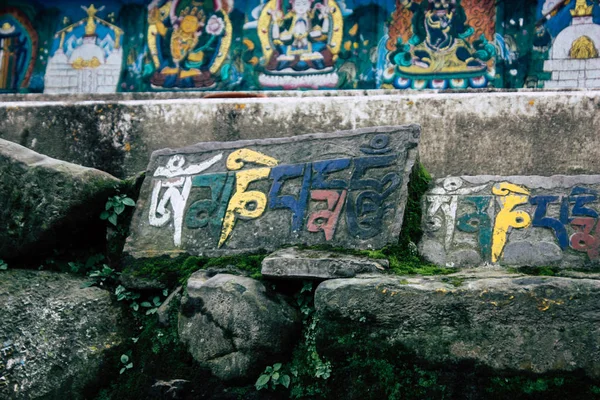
(545, 304)
(384, 291)
(410, 103)
(482, 293)
(494, 303)
(443, 291)
(394, 293)
(511, 297)
(531, 102)
(240, 106)
(127, 147)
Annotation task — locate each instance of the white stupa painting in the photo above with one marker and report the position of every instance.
(574, 61)
(88, 58)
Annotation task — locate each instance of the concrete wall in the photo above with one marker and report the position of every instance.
(500, 133)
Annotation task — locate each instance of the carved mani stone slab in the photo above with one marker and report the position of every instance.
(347, 189)
(513, 221)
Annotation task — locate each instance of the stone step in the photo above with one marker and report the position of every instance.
(504, 322)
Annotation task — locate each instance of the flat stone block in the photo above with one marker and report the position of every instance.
(592, 63)
(592, 73)
(592, 83)
(529, 324)
(513, 221)
(568, 75)
(347, 189)
(292, 263)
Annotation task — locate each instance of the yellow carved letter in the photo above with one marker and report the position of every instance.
(245, 205)
(512, 196)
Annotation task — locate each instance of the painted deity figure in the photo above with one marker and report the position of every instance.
(14, 59)
(300, 39)
(438, 54)
(295, 35)
(187, 46)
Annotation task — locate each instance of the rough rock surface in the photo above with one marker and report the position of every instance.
(292, 263)
(504, 322)
(232, 326)
(43, 199)
(53, 334)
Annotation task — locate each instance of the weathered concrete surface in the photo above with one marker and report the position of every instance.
(529, 324)
(46, 202)
(53, 334)
(484, 132)
(292, 263)
(231, 326)
(512, 220)
(347, 189)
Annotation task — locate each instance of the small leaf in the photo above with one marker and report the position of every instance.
(129, 202)
(108, 205)
(124, 358)
(104, 215)
(156, 301)
(275, 377)
(262, 381)
(120, 289)
(119, 208)
(135, 339)
(165, 292)
(122, 370)
(146, 304)
(129, 366)
(113, 219)
(277, 367)
(285, 381)
(86, 284)
(268, 370)
(151, 311)
(135, 306)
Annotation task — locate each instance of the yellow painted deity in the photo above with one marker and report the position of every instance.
(197, 46)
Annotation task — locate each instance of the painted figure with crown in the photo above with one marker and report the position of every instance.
(439, 54)
(300, 41)
(188, 42)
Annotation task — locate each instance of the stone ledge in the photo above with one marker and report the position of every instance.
(504, 322)
(293, 263)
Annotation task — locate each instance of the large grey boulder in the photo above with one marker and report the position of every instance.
(232, 326)
(45, 202)
(53, 334)
(519, 323)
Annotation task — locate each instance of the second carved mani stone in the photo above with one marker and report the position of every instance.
(347, 189)
(513, 221)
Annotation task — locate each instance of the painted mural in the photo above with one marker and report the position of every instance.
(74, 46)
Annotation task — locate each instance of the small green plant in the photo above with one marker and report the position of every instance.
(152, 306)
(102, 276)
(272, 377)
(126, 295)
(115, 206)
(3, 265)
(125, 363)
(91, 263)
